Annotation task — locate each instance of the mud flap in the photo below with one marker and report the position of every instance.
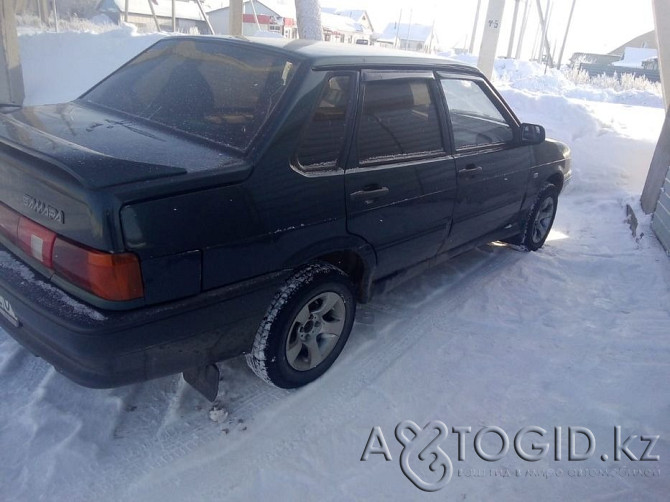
(204, 379)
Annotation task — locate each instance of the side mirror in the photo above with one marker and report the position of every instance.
(532, 134)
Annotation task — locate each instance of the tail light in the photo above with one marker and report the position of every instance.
(9, 223)
(115, 277)
(36, 241)
(110, 276)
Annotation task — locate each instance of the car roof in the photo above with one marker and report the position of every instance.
(324, 55)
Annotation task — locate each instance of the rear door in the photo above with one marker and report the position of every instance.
(492, 166)
(400, 183)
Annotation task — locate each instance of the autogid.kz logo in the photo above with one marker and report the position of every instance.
(424, 461)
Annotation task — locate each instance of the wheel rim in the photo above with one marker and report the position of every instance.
(543, 219)
(315, 331)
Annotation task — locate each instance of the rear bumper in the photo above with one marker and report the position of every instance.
(99, 348)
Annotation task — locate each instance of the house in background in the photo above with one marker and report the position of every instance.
(358, 16)
(411, 37)
(635, 57)
(646, 41)
(340, 28)
(274, 16)
(592, 58)
(187, 13)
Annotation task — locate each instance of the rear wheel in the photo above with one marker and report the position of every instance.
(305, 327)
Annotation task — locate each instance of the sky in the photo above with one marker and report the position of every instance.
(598, 25)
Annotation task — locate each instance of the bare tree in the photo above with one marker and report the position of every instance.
(308, 17)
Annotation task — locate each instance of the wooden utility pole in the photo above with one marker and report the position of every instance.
(544, 43)
(512, 35)
(206, 18)
(565, 38)
(42, 9)
(474, 27)
(11, 75)
(153, 14)
(522, 33)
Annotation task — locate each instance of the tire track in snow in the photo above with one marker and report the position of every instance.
(370, 362)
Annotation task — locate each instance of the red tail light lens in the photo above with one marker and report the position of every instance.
(115, 277)
(9, 223)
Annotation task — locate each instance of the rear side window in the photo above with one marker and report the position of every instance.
(222, 92)
(475, 118)
(399, 118)
(326, 133)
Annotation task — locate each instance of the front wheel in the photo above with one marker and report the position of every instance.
(541, 218)
(305, 327)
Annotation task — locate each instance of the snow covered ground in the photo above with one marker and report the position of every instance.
(576, 334)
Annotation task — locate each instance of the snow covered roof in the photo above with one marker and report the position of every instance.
(282, 8)
(634, 56)
(341, 23)
(413, 32)
(162, 8)
(359, 16)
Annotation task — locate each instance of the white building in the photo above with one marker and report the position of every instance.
(411, 37)
(187, 14)
(275, 16)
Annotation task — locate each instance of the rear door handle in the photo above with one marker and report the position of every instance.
(369, 193)
(470, 171)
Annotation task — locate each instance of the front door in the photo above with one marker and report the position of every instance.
(492, 166)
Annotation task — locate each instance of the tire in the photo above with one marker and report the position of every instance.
(541, 218)
(305, 327)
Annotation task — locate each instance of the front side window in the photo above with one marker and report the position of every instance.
(222, 92)
(399, 118)
(326, 132)
(475, 118)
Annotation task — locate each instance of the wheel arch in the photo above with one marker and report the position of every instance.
(353, 256)
(557, 180)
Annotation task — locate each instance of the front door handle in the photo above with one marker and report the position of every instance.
(470, 171)
(370, 193)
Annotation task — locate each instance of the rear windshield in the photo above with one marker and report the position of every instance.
(222, 92)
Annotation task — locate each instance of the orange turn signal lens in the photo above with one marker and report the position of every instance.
(115, 277)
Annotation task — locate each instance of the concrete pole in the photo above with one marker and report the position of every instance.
(308, 17)
(11, 75)
(174, 16)
(512, 35)
(235, 18)
(490, 37)
(661, 159)
(474, 28)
